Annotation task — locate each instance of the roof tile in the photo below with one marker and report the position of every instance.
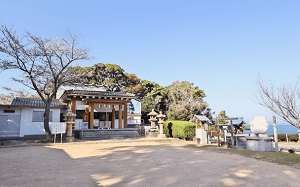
(34, 102)
(101, 93)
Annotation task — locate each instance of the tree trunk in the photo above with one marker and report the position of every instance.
(299, 135)
(46, 122)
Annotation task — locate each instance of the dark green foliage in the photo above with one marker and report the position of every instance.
(180, 129)
(291, 137)
(181, 100)
(184, 100)
(221, 115)
(111, 75)
(151, 93)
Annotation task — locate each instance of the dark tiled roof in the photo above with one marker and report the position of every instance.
(34, 102)
(98, 93)
(238, 121)
(201, 117)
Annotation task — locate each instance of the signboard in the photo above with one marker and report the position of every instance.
(57, 128)
(206, 126)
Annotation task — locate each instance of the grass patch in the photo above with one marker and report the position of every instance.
(282, 158)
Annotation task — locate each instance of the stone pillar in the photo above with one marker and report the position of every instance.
(161, 122)
(70, 121)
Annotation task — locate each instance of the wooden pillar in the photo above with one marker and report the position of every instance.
(73, 105)
(85, 116)
(125, 115)
(113, 117)
(120, 116)
(91, 115)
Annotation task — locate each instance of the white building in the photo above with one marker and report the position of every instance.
(25, 117)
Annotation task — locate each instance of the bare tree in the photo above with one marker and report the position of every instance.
(284, 101)
(44, 63)
(6, 99)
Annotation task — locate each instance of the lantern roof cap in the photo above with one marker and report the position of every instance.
(161, 115)
(152, 113)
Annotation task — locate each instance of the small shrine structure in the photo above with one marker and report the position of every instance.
(202, 124)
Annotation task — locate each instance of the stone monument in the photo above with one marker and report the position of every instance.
(258, 139)
(153, 132)
(161, 122)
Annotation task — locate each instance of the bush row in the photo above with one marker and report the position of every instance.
(180, 129)
(291, 137)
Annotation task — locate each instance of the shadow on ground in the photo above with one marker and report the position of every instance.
(172, 164)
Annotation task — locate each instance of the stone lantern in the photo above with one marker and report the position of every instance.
(70, 121)
(153, 132)
(161, 121)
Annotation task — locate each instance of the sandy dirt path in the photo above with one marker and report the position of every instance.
(105, 163)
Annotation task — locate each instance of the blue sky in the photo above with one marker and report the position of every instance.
(221, 46)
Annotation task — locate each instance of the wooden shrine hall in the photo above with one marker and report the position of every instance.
(96, 108)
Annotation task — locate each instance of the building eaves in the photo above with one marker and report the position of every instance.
(98, 93)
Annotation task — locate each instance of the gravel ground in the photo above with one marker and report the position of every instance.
(136, 163)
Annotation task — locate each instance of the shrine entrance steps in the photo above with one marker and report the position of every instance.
(106, 134)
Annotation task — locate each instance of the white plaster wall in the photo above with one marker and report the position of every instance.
(17, 111)
(117, 124)
(27, 127)
(78, 123)
(80, 105)
(202, 134)
(15, 115)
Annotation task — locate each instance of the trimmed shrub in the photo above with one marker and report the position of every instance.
(293, 137)
(180, 129)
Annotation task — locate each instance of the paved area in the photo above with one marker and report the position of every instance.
(136, 164)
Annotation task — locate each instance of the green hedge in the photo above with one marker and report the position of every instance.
(291, 137)
(180, 129)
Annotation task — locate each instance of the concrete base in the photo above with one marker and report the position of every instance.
(240, 140)
(259, 142)
(69, 139)
(201, 136)
(162, 136)
(152, 134)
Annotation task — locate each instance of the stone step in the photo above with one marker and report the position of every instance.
(109, 134)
